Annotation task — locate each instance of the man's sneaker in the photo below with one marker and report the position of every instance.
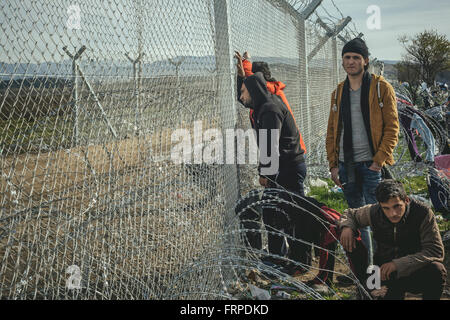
(345, 280)
(319, 287)
(274, 262)
(295, 270)
(271, 266)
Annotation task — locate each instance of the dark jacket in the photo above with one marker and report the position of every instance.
(271, 113)
(411, 244)
(274, 87)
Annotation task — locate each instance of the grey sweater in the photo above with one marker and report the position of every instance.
(361, 147)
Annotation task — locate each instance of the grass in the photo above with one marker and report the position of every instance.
(413, 185)
(444, 225)
(331, 199)
(20, 135)
(340, 294)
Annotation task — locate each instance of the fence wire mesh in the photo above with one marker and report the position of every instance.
(91, 205)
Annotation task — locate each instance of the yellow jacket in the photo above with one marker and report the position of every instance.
(384, 123)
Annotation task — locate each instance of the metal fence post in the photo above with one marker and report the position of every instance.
(330, 33)
(76, 131)
(304, 85)
(226, 92)
(224, 61)
(335, 61)
(304, 72)
(137, 74)
(226, 102)
(75, 71)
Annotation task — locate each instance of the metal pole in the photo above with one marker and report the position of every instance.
(226, 93)
(75, 103)
(177, 65)
(305, 110)
(342, 39)
(137, 88)
(335, 61)
(97, 101)
(309, 10)
(75, 71)
(76, 68)
(224, 60)
(139, 71)
(136, 110)
(330, 33)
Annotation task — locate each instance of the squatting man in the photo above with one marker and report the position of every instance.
(409, 248)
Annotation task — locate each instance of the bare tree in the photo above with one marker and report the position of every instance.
(428, 50)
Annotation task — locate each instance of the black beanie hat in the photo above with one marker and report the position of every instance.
(356, 45)
(260, 66)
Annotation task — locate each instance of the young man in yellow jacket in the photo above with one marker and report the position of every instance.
(363, 129)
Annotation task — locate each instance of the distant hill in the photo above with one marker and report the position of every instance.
(21, 70)
(391, 72)
(51, 74)
(191, 64)
(390, 61)
(36, 82)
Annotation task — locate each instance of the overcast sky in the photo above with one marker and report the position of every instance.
(398, 17)
(36, 30)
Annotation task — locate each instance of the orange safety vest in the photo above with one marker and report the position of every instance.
(274, 87)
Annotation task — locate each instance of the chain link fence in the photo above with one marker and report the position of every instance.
(91, 204)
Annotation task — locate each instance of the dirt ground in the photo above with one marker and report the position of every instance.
(343, 292)
(106, 207)
(77, 176)
(350, 289)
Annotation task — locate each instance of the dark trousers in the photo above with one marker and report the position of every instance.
(358, 260)
(279, 219)
(428, 281)
(361, 192)
(250, 214)
(326, 265)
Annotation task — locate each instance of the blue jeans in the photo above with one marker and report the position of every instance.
(361, 193)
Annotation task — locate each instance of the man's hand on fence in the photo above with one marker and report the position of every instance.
(240, 66)
(264, 182)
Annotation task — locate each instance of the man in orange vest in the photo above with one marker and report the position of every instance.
(246, 69)
(269, 110)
